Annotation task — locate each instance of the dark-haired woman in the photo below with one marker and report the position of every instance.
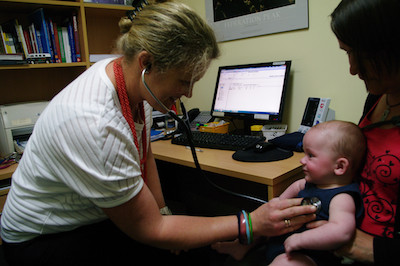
(368, 31)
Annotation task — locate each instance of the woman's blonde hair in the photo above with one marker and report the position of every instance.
(174, 35)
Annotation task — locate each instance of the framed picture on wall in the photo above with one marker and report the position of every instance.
(238, 19)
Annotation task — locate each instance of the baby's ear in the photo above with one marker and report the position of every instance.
(342, 165)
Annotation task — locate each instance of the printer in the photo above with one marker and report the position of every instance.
(16, 125)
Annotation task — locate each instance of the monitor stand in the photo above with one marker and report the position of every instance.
(245, 122)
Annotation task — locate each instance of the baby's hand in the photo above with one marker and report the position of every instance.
(292, 244)
(233, 248)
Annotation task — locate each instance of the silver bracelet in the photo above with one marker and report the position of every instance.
(165, 211)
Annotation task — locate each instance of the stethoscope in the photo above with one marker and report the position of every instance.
(184, 125)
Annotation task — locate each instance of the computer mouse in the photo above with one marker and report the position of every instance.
(263, 147)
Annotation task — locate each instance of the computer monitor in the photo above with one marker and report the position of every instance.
(251, 92)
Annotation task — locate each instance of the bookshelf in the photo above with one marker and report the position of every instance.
(97, 28)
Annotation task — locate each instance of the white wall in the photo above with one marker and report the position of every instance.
(319, 67)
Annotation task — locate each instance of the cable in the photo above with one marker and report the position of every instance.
(188, 132)
(186, 128)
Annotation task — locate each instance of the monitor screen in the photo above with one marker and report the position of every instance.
(255, 91)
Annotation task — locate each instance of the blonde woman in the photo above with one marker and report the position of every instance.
(87, 191)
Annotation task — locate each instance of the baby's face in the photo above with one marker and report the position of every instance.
(319, 160)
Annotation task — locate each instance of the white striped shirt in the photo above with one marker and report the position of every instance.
(80, 158)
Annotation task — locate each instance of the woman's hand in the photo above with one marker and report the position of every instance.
(279, 217)
(360, 248)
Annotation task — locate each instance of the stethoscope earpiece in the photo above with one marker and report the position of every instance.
(144, 71)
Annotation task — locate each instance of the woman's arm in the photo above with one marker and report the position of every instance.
(140, 219)
(360, 248)
(333, 234)
(366, 248)
(153, 179)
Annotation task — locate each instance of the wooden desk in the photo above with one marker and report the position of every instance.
(276, 175)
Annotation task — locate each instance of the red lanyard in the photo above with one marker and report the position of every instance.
(127, 112)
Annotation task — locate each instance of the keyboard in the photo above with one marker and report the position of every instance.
(219, 141)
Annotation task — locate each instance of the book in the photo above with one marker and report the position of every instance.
(28, 41)
(76, 38)
(2, 48)
(11, 57)
(13, 44)
(21, 37)
(71, 41)
(156, 134)
(33, 38)
(38, 19)
(61, 42)
(9, 43)
(57, 41)
(38, 39)
(3, 41)
(12, 62)
(67, 48)
(52, 33)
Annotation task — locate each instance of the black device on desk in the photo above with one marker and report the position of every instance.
(197, 118)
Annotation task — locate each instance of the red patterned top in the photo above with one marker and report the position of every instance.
(380, 179)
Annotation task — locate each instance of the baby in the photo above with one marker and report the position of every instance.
(334, 152)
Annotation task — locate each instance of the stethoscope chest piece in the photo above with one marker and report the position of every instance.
(312, 201)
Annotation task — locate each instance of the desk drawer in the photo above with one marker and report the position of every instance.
(4, 189)
(2, 202)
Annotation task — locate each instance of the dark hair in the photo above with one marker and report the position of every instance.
(372, 29)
